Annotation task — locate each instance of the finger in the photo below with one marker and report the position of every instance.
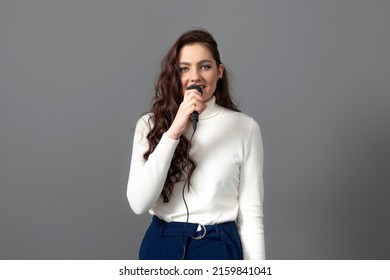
(198, 106)
(192, 92)
(197, 96)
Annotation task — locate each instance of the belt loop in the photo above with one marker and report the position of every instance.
(161, 224)
(217, 232)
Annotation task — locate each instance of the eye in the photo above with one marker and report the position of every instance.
(184, 69)
(205, 67)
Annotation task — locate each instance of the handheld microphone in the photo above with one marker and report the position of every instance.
(195, 115)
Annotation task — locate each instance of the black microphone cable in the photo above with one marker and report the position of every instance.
(185, 203)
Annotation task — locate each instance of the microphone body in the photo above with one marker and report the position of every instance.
(195, 115)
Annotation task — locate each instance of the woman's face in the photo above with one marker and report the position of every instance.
(197, 66)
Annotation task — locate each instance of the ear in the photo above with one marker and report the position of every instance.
(221, 68)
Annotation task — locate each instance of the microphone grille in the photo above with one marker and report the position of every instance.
(197, 87)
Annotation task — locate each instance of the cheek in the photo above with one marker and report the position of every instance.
(213, 79)
(183, 82)
(184, 79)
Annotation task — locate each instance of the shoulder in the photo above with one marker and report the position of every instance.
(144, 123)
(145, 120)
(241, 119)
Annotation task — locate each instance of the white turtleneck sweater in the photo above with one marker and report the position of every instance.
(227, 184)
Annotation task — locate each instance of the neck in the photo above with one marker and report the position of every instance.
(208, 99)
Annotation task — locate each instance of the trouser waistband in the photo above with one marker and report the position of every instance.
(196, 231)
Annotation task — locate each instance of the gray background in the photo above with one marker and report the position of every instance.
(75, 75)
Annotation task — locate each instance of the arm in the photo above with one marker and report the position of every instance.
(147, 178)
(251, 193)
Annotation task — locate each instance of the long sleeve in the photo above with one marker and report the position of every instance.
(251, 192)
(147, 178)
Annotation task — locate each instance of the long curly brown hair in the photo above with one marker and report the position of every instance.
(167, 99)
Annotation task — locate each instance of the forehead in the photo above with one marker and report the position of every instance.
(194, 52)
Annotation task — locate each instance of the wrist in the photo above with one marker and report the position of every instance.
(173, 135)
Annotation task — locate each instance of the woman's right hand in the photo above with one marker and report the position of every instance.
(192, 101)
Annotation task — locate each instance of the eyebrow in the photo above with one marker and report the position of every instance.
(200, 62)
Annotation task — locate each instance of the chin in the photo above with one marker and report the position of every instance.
(207, 98)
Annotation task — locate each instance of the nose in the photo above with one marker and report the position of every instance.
(195, 76)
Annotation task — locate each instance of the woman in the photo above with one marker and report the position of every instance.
(204, 189)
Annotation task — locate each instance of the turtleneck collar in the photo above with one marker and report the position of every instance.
(211, 110)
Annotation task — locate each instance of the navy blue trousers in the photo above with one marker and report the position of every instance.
(175, 241)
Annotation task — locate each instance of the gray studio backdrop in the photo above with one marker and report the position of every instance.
(75, 75)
